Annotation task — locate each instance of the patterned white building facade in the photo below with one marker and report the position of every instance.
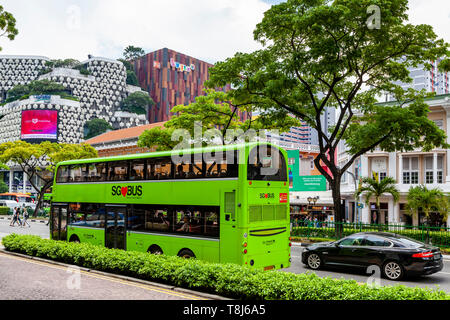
(100, 95)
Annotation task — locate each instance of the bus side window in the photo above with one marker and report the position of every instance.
(162, 168)
(97, 172)
(62, 174)
(118, 171)
(137, 170)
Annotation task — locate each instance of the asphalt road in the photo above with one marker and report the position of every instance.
(441, 279)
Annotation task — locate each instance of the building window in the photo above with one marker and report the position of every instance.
(439, 124)
(440, 170)
(429, 170)
(410, 170)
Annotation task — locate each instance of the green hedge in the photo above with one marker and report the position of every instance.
(437, 238)
(4, 211)
(227, 280)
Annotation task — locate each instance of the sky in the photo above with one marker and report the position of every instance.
(210, 30)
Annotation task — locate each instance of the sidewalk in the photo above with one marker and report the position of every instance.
(41, 220)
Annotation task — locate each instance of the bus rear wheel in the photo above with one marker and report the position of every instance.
(186, 254)
(154, 249)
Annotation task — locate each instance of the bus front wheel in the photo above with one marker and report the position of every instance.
(75, 239)
(154, 249)
(187, 254)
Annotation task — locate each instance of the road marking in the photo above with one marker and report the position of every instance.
(125, 282)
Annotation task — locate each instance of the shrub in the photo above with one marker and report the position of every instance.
(4, 211)
(228, 280)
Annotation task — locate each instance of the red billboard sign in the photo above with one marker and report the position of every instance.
(39, 125)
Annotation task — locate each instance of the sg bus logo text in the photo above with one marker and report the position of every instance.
(127, 191)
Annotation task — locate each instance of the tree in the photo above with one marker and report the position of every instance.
(374, 188)
(428, 201)
(3, 187)
(322, 53)
(132, 53)
(137, 102)
(216, 110)
(131, 75)
(40, 160)
(96, 127)
(7, 25)
(38, 87)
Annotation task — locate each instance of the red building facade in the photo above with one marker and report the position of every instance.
(171, 78)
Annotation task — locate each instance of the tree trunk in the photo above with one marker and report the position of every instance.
(339, 211)
(41, 196)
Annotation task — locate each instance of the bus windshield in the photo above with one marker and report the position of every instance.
(266, 163)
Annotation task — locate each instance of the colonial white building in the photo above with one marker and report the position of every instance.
(409, 169)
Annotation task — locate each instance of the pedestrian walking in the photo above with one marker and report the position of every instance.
(14, 218)
(25, 217)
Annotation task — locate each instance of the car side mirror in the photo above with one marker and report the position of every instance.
(336, 244)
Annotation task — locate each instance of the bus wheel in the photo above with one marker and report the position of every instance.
(154, 249)
(75, 239)
(187, 254)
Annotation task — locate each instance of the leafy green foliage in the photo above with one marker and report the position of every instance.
(38, 87)
(66, 63)
(137, 102)
(7, 25)
(428, 201)
(132, 52)
(96, 127)
(40, 159)
(374, 188)
(3, 187)
(434, 234)
(216, 110)
(132, 78)
(233, 281)
(321, 53)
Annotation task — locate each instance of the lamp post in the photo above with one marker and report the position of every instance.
(313, 200)
(357, 199)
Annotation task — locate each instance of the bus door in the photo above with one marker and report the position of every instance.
(115, 227)
(58, 222)
(228, 228)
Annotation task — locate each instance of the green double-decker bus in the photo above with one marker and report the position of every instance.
(227, 204)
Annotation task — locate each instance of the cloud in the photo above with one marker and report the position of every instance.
(210, 30)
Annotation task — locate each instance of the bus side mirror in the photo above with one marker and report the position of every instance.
(227, 217)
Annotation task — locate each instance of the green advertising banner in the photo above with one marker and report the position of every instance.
(303, 183)
(312, 183)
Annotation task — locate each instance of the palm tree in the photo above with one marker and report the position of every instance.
(428, 200)
(374, 188)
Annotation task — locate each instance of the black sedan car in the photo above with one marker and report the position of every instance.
(395, 255)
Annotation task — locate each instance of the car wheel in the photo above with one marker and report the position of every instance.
(313, 260)
(393, 270)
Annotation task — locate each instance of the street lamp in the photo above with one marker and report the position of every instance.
(357, 199)
(313, 200)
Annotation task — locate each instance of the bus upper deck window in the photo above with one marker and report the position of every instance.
(137, 170)
(266, 163)
(62, 174)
